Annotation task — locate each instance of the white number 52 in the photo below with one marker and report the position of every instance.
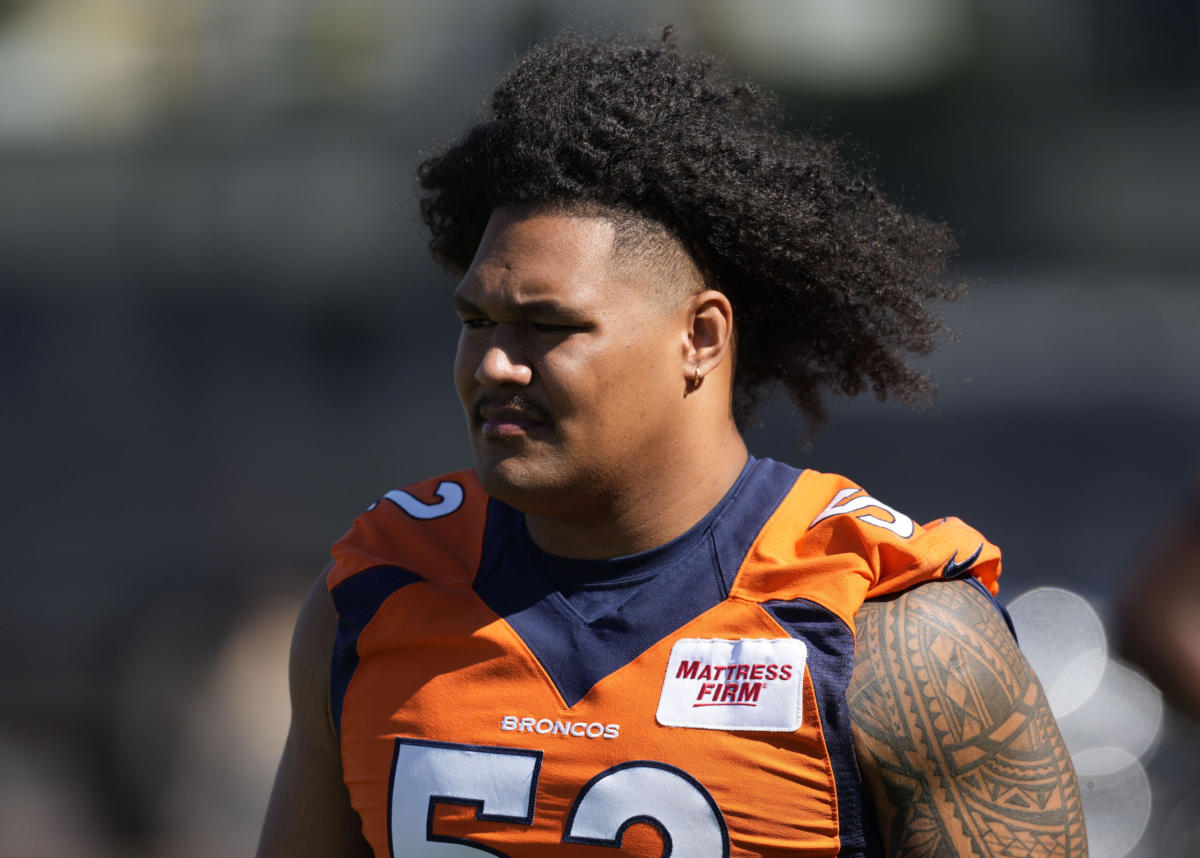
(500, 783)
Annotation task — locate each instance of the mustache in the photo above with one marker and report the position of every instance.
(512, 405)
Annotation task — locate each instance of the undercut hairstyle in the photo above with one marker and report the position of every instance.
(832, 285)
(640, 244)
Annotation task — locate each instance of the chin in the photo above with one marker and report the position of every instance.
(506, 478)
(525, 485)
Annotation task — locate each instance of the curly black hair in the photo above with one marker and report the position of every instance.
(831, 283)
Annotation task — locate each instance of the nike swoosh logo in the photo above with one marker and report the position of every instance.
(954, 569)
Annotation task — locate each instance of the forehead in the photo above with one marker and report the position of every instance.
(526, 256)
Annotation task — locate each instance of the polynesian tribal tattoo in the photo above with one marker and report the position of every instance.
(954, 734)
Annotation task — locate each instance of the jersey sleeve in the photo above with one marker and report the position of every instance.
(946, 548)
(433, 529)
(831, 541)
(897, 552)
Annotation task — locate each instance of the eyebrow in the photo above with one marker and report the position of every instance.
(463, 306)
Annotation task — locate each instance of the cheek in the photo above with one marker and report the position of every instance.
(465, 363)
(638, 386)
(653, 365)
(606, 387)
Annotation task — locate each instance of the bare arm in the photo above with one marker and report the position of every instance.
(309, 815)
(954, 735)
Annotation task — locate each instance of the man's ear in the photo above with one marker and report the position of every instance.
(709, 344)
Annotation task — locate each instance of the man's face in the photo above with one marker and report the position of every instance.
(569, 366)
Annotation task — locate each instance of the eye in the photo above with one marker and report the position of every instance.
(477, 323)
(549, 328)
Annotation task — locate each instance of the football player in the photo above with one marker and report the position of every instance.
(619, 632)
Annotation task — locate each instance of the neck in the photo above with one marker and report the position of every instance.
(653, 509)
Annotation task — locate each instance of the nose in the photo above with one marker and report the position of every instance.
(501, 362)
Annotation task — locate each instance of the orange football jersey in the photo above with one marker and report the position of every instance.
(702, 715)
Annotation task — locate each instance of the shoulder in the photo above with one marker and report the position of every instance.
(433, 527)
(308, 663)
(309, 812)
(943, 627)
(831, 521)
(953, 731)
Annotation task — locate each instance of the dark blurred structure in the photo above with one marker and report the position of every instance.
(1160, 617)
(220, 337)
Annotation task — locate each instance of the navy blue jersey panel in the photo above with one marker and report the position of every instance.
(597, 587)
(752, 502)
(577, 654)
(684, 579)
(830, 646)
(357, 600)
(508, 579)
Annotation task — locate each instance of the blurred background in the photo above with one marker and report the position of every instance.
(220, 339)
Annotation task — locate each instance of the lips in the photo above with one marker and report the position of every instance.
(508, 418)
